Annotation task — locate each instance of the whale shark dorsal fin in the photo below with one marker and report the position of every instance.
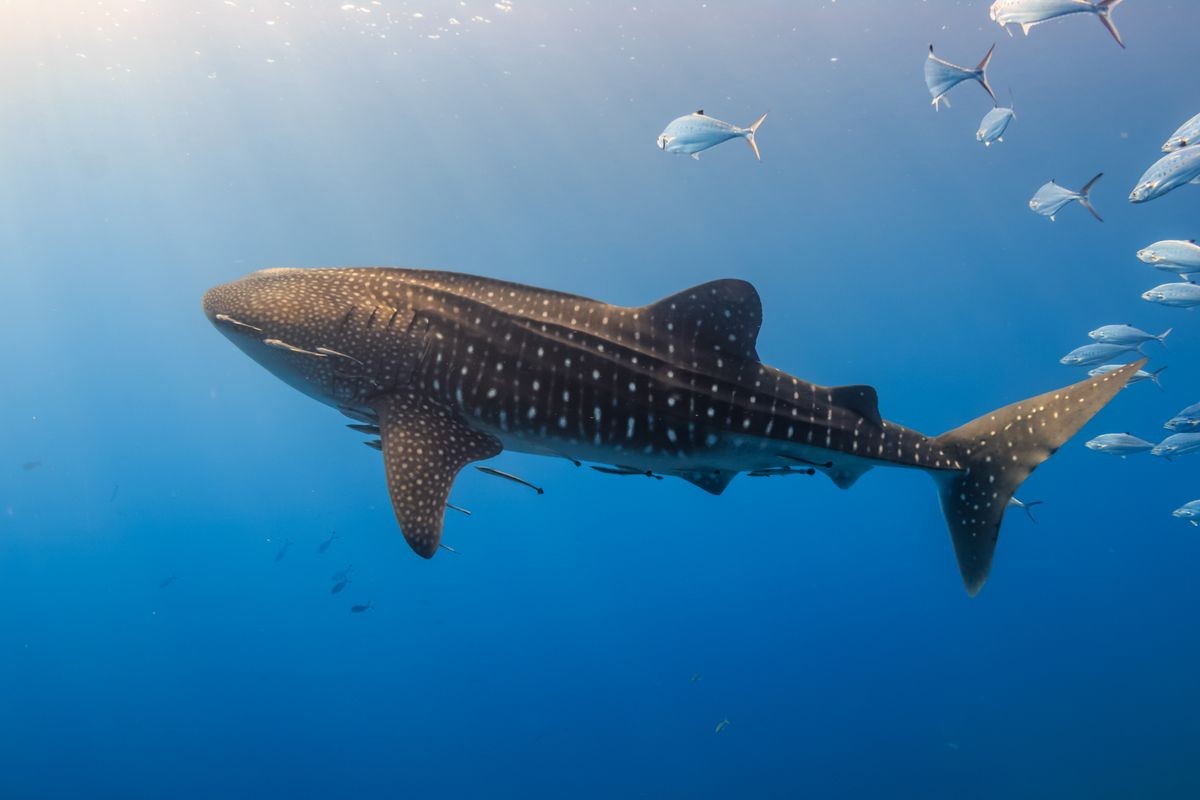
(862, 400)
(424, 447)
(709, 321)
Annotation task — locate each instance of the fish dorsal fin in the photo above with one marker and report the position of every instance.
(700, 112)
(712, 481)
(424, 447)
(859, 399)
(709, 321)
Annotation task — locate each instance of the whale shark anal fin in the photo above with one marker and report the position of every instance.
(424, 447)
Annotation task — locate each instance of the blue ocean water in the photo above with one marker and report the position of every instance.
(588, 642)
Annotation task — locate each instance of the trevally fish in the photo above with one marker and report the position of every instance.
(1096, 353)
(1186, 420)
(1173, 170)
(1187, 134)
(1119, 444)
(1028, 13)
(674, 387)
(1177, 444)
(1140, 375)
(1179, 295)
(694, 133)
(1189, 511)
(941, 76)
(1126, 334)
(1172, 255)
(994, 124)
(1051, 198)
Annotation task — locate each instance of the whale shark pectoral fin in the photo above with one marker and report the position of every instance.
(424, 447)
(712, 481)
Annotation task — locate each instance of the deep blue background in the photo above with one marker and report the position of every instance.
(151, 151)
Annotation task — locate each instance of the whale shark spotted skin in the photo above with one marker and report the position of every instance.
(453, 369)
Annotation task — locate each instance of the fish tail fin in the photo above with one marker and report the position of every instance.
(1154, 376)
(1103, 13)
(750, 135)
(1028, 506)
(982, 71)
(995, 453)
(1085, 196)
(1162, 337)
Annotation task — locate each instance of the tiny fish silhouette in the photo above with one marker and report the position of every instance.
(361, 608)
(30, 466)
(342, 574)
(165, 582)
(283, 550)
(323, 546)
(337, 587)
(116, 488)
(722, 725)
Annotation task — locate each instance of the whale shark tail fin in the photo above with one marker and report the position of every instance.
(1104, 13)
(750, 135)
(998, 451)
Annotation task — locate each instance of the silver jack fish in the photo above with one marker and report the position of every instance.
(1028, 13)
(1051, 198)
(1178, 295)
(1096, 353)
(695, 133)
(1188, 133)
(454, 369)
(1189, 511)
(1173, 255)
(941, 76)
(1119, 444)
(995, 123)
(1140, 375)
(1186, 420)
(1177, 444)
(1127, 335)
(1173, 170)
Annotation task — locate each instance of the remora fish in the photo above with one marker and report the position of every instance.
(1051, 198)
(694, 133)
(457, 368)
(1179, 295)
(941, 76)
(1172, 255)
(1173, 170)
(1028, 13)
(1188, 133)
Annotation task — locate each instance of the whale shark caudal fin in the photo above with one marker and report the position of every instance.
(997, 453)
(424, 447)
(1085, 196)
(1103, 11)
(750, 135)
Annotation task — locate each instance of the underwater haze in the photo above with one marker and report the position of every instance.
(169, 626)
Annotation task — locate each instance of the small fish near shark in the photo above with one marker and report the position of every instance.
(1052, 198)
(455, 369)
(694, 133)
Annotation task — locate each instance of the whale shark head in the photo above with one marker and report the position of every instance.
(331, 334)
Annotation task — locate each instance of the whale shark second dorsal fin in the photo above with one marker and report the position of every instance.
(424, 446)
(709, 321)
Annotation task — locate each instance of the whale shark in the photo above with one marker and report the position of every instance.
(450, 369)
